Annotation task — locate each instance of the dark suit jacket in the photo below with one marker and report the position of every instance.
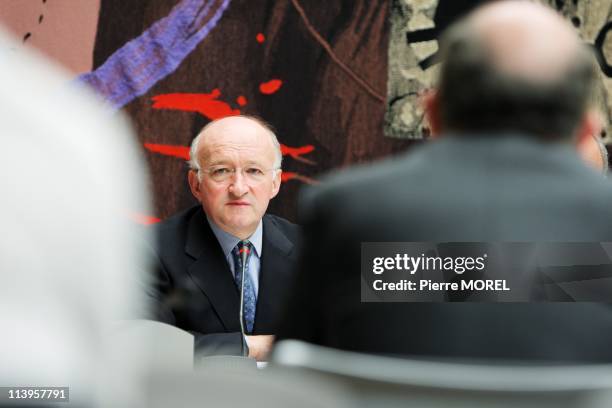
(194, 287)
(457, 189)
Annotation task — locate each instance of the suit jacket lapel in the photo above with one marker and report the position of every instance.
(211, 272)
(274, 276)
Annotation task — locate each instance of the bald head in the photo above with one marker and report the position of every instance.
(514, 66)
(525, 39)
(226, 128)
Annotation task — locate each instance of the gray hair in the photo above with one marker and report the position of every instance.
(278, 159)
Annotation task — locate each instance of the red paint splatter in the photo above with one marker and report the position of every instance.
(142, 218)
(241, 100)
(297, 152)
(287, 175)
(181, 152)
(260, 38)
(205, 104)
(270, 87)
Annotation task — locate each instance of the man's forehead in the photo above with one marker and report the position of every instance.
(227, 149)
(234, 139)
(235, 125)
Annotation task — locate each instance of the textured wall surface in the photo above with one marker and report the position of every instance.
(415, 25)
(63, 30)
(329, 59)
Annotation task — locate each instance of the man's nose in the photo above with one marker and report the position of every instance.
(238, 184)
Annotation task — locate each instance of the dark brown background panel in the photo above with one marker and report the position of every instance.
(325, 100)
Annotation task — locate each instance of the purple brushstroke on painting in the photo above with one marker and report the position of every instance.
(142, 62)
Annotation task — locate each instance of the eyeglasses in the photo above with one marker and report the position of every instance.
(251, 174)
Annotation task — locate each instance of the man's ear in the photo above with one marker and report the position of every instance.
(276, 183)
(194, 184)
(431, 106)
(591, 125)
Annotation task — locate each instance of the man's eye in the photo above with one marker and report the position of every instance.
(254, 171)
(221, 171)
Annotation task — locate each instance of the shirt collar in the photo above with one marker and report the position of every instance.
(228, 241)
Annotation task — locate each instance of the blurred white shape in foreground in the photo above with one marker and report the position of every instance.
(69, 263)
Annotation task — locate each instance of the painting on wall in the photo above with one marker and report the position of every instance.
(339, 80)
(315, 70)
(413, 45)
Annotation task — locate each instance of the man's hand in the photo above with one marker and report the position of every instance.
(259, 346)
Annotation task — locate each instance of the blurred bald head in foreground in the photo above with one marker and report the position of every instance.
(514, 66)
(510, 109)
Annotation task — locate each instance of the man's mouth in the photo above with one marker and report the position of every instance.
(238, 203)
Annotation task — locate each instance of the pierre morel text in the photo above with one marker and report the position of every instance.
(491, 285)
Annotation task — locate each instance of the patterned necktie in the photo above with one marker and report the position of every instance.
(249, 291)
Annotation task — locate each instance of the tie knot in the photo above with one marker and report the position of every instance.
(243, 247)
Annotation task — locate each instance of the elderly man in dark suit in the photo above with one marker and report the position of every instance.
(235, 171)
(510, 109)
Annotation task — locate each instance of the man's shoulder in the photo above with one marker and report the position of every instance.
(173, 231)
(360, 184)
(178, 220)
(289, 229)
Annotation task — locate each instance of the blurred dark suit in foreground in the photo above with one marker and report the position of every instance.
(510, 110)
